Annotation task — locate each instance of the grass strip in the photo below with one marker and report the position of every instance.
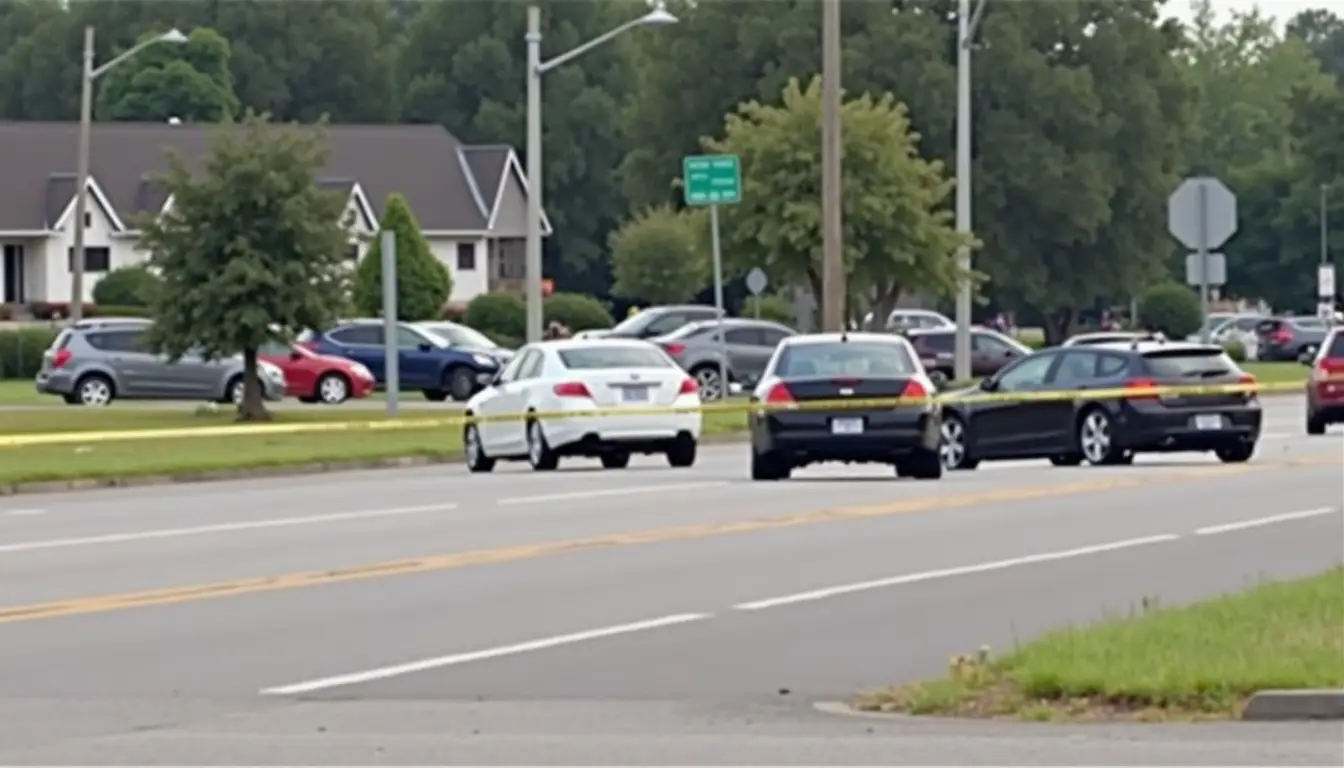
(1201, 661)
(193, 456)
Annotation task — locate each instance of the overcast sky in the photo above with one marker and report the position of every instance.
(1279, 9)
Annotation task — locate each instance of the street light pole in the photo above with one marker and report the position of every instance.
(1325, 226)
(966, 26)
(832, 234)
(658, 16)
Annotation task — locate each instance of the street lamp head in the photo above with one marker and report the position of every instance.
(173, 36)
(658, 17)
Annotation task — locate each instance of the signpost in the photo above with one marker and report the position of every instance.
(391, 350)
(714, 180)
(1325, 290)
(757, 283)
(1202, 216)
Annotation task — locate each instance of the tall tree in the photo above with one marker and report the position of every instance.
(423, 282)
(39, 61)
(1323, 33)
(250, 247)
(658, 257)
(190, 81)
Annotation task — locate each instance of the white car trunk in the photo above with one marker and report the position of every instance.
(633, 387)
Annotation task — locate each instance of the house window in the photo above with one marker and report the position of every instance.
(352, 252)
(95, 259)
(466, 257)
(88, 219)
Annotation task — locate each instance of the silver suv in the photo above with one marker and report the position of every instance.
(94, 362)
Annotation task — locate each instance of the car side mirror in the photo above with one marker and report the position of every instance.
(425, 347)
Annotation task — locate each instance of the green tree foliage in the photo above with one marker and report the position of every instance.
(1171, 308)
(190, 81)
(771, 306)
(423, 282)
(576, 311)
(657, 258)
(1323, 33)
(501, 316)
(127, 287)
(897, 235)
(251, 245)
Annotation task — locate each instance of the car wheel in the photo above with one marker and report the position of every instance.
(682, 452)
(95, 390)
(333, 389)
(708, 379)
(1306, 353)
(921, 465)
(938, 378)
(615, 460)
(953, 447)
(236, 391)
(474, 450)
(460, 383)
(1315, 424)
(1096, 439)
(767, 467)
(1236, 454)
(539, 453)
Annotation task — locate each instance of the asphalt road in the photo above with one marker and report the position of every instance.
(644, 616)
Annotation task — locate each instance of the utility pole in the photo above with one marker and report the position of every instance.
(967, 23)
(833, 264)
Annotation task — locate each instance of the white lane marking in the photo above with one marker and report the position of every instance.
(25, 512)
(251, 525)
(624, 491)
(398, 670)
(1259, 521)
(946, 573)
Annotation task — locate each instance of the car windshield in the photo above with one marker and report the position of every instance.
(1190, 363)
(633, 325)
(689, 331)
(606, 355)
(460, 335)
(1336, 346)
(844, 358)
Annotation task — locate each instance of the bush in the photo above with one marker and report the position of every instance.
(1235, 350)
(772, 307)
(576, 312)
(127, 287)
(1171, 308)
(497, 315)
(21, 351)
(423, 282)
(657, 257)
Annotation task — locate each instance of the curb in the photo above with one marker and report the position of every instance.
(1320, 704)
(259, 473)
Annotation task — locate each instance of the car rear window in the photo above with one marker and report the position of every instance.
(62, 339)
(845, 358)
(1189, 363)
(1336, 345)
(1268, 326)
(600, 356)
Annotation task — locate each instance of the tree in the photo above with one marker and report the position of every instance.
(132, 286)
(252, 247)
(656, 257)
(897, 235)
(1171, 308)
(1323, 33)
(191, 82)
(423, 282)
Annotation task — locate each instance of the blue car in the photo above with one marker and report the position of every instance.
(441, 360)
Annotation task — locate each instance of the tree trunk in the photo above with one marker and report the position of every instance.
(253, 407)
(818, 311)
(1058, 326)
(885, 299)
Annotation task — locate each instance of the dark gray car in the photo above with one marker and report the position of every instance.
(748, 343)
(97, 361)
(1289, 338)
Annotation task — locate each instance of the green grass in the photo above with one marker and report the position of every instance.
(1278, 373)
(1194, 662)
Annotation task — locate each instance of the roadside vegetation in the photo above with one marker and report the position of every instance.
(1201, 661)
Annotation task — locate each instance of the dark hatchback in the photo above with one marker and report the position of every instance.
(802, 417)
(1103, 404)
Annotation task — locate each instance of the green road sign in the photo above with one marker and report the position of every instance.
(711, 179)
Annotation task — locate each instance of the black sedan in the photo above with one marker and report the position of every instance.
(1103, 404)
(853, 398)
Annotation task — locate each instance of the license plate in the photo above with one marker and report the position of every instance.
(846, 426)
(635, 395)
(1208, 421)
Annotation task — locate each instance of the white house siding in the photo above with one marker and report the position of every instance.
(121, 252)
(510, 219)
(467, 284)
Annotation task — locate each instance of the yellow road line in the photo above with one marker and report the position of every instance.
(442, 562)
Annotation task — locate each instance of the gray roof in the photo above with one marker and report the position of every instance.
(448, 185)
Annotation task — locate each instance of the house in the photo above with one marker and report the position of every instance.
(471, 201)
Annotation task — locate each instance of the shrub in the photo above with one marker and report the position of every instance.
(497, 315)
(657, 257)
(1235, 350)
(577, 312)
(21, 351)
(423, 282)
(1171, 308)
(127, 287)
(772, 307)
(51, 310)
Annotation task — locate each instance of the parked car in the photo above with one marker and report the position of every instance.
(1325, 387)
(314, 378)
(747, 343)
(581, 376)
(94, 362)
(652, 322)
(1289, 338)
(990, 351)
(917, 319)
(465, 337)
(1104, 430)
(425, 361)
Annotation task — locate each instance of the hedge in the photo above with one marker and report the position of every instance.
(21, 351)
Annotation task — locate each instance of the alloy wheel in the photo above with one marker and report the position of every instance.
(1095, 437)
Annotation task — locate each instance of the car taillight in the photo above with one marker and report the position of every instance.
(572, 389)
(914, 390)
(688, 387)
(779, 395)
(1247, 380)
(1281, 336)
(61, 358)
(674, 349)
(1141, 389)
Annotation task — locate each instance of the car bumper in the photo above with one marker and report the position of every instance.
(361, 388)
(1171, 429)
(614, 427)
(55, 383)
(812, 435)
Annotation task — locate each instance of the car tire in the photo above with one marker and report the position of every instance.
(615, 460)
(952, 449)
(707, 378)
(921, 465)
(1067, 460)
(1095, 438)
(333, 389)
(682, 452)
(474, 450)
(1236, 454)
(767, 467)
(94, 390)
(1315, 424)
(460, 383)
(539, 453)
(434, 395)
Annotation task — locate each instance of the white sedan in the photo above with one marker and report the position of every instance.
(606, 399)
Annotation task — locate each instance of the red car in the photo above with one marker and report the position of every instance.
(314, 378)
(1325, 387)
